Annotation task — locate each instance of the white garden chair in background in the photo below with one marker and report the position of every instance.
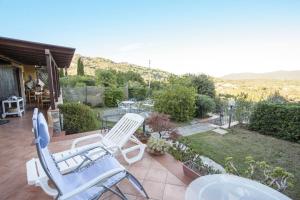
(115, 141)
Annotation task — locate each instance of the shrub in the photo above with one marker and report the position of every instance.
(177, 101)
(157, 145)
(275, 177)
(78, 118)
(204, 105)
(160, 123)
(112, 96)
(279, 120)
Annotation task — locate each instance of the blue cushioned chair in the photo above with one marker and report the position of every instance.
(87, 182)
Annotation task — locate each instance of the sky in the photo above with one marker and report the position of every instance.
(212, 37)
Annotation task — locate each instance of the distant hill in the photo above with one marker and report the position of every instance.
(276, 75)
(91, 64)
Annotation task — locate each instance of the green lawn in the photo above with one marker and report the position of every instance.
(240, 143)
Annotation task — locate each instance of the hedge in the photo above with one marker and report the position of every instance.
(78, 118)
(278, 120)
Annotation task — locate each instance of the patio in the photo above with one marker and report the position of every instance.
(162, 177)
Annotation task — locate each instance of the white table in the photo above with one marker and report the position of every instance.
(127, 105)
(20, 107)
(230, 187)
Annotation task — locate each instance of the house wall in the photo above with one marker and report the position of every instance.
(29, 71)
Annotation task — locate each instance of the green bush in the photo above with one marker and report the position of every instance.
(204, 105)
(112, 96)
(275, 177)
(177, 101)
(78, 118)
(279, 120)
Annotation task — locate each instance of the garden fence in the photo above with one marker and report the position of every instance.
(91, 95)
(229, 115)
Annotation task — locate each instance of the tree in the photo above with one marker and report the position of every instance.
(203, 84)
(106, 77)
(80, 67)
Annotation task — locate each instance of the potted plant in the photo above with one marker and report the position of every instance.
(192, 164)
(157, 146)
(189, 169)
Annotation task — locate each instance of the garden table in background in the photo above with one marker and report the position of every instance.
(230, 187)
(127, 104)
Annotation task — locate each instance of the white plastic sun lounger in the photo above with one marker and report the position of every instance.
(85, 183)
(118, 136)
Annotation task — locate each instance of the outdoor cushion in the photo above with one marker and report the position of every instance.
(43, 130)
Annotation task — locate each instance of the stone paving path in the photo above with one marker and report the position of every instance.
(195, 128)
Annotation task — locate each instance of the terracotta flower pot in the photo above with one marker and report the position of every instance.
(155, 153)
(189, 172)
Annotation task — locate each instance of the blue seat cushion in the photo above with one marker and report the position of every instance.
(43, 131)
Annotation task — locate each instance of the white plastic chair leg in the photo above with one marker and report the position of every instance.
(43, 183)
(139, 156)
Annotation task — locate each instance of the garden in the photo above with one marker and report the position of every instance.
(264, 145)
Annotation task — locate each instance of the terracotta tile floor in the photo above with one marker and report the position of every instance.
(162, 177)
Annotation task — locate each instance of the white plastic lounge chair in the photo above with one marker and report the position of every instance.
(88, 182)
(114, 140)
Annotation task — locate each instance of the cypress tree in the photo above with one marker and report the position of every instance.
(80, 67)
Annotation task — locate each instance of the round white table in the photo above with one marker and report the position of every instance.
(127, 102)
(126, 105)
(230, 187)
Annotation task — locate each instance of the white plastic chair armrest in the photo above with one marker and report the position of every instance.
(80, 151)
(92, 182)
(141, 147)
(76, 141)
(135, 140)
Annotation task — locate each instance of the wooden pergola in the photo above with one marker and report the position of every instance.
(39, 54)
